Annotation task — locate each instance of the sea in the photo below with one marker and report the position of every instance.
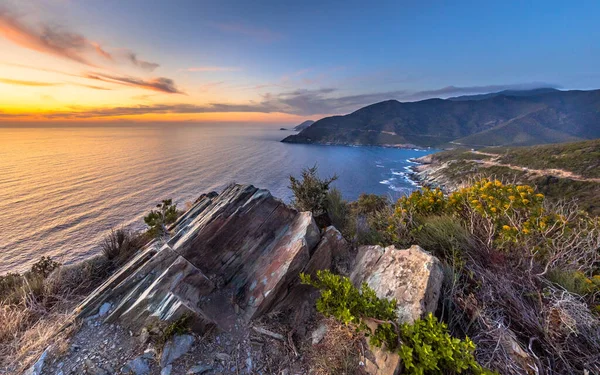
(63, 188)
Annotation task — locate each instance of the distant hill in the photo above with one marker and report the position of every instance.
(505, 93)
(506, 118)
(304, 125)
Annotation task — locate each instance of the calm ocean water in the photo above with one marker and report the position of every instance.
(63, 189)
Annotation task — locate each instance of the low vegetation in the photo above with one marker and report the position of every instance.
(424, 346)
(157, 220)
(36, 304)
(562, 172)
(522, 272)
(311, 193)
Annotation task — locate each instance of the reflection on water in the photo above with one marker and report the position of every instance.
(62, 189)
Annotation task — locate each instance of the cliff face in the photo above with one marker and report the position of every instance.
(231, 265)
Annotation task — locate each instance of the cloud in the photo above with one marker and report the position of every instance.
(101, 51)
(161, 84)
(212, 69)
(140, 63)
(297, 102)
(18, 82)
(46, 39)
(58, 41)
(448, 91)
(26, 83)
(260, 34)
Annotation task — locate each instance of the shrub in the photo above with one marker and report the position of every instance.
(157, 220)
(120, 244)
(369, 204)
(425, 346)
(310, 193)
(337, 209)
(44, 267)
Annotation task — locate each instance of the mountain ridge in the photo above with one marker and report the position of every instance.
(531, 117)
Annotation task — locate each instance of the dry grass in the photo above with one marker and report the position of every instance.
(35, 307)
(27, 330)
(338, 353)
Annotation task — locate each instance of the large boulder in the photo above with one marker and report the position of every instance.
(411, 276)
(230, 257)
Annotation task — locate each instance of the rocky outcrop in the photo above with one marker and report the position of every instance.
(231, 256)
(411, 276)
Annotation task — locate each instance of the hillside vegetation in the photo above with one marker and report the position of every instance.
(568, 171)
(522, 282)
(501, 119)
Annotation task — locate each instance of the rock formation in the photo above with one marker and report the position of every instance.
(231, 256)
(230, 260)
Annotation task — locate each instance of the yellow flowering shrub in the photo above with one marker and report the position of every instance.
(512, 214)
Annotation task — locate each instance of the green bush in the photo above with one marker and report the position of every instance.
(425, 346)
(157, 220)
(368, 204)
(310, 192)
(337, 209)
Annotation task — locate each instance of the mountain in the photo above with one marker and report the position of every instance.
(505, 93)
(500, 119)
(304, 125)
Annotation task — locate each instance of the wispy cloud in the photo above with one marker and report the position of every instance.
(59, 41)
(18, 82)
(258, 33)
(448, 91)
(26, 83)
(297, 102)
(46, 39)
(146, 65)
(210, 85)
(212, 69)
(161, 84)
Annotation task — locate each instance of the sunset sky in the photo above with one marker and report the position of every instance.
(279, 61)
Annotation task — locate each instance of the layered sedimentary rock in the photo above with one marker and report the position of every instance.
(230, 258)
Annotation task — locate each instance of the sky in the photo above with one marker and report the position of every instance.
(279, 61)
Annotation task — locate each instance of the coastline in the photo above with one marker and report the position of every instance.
(429, 173)
(404, 146)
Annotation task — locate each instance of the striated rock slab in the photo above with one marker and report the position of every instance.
(231, 256)
(411, 276)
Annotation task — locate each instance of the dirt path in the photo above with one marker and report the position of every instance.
(540, 172)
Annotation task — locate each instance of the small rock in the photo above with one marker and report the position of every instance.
(223, 357)
(144, 336)
(137, 366)
(104, 309)
(149, 353)
(175, 348)
(36, 369)
(319, 333)
(166, 370)
(199, 369)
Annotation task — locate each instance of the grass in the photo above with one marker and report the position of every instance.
(339, 351)
(35, 305)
